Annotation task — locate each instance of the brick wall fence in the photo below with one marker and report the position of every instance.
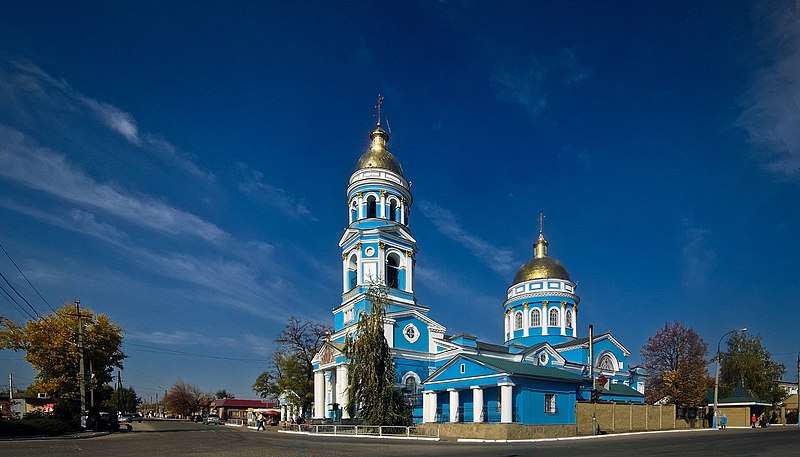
(609, 418)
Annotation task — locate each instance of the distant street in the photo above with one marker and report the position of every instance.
(173, 438)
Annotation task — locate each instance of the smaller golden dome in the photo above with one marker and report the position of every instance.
(541, 266)
(377, 156)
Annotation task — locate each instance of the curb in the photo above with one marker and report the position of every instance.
(74, 436)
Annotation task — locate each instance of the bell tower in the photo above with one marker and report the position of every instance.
(377, 245)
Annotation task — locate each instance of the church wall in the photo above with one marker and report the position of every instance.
(420, 342)
(529, 402)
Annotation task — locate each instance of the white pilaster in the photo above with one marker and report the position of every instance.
(563, 320)
(319, 395)
(477, 404)
(506, 402)
(453, 405)
(526, 319)
(545, 318)
(341, 389)
(383, 205)
(428, 406)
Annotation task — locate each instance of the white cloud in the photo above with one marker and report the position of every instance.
(57, 93)
(253, 184)
(498, 259)
(771, 101)
(531, 87)
(113, 118)
(28, 164)
(698, 258)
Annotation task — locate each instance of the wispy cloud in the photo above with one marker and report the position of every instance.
(40, 168)
(698, 258)
(31, 79)
(531, 86)
(498, 259)
(771, 101)
(253, 184)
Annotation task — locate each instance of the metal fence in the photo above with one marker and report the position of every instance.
(429, 433)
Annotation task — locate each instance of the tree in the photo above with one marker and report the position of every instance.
(292, 368)
(185, 399)
(124, 400)
(223, 394)
(676, 365)
(370, 368)
(749, 363)
(51, 346)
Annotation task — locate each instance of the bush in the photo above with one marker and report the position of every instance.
(35, 425)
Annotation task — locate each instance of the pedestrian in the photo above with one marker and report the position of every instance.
(259, 423)
(753, 421)
(724, 421)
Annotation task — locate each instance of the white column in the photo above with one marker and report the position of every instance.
(563, 320)
(453, 405)
(426, 406)
(319, 394)
(383, 205)
(506, 402)
(575, 321)
(508, 327)
(545, 318)
(526, 319)
(477, 403)
(403, 211)
(341, 389)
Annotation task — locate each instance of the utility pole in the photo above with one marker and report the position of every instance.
(80, 351)
(11, 387)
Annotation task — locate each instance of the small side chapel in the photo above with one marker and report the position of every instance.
(535, 376)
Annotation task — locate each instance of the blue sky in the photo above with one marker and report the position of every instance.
(183, 168)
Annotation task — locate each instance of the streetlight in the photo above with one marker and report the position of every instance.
(716, 375)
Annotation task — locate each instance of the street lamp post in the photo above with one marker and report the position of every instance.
(716, 376)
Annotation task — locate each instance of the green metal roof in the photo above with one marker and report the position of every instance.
(741, 395)
(526, 369)
(622, 390)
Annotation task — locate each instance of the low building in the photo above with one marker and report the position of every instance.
(232, 408)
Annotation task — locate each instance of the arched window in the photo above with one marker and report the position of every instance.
(411, 385)
(536, 318)
(353, 211)
(553, 317)
(607, 363)
(372, 206)
(392, 271)
(352, 273)
(518, 320)
(393, 210)
(569, 319)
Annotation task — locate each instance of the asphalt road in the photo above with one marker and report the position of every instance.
(173, 438)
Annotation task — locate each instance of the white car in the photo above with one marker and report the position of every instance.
(211, 419)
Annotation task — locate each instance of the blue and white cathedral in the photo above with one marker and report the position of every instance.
(535, 376)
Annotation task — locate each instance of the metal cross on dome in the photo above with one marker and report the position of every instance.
(541, 223)
(378, 107)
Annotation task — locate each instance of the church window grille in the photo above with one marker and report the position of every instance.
(518, 320)
(348, 315)
(554, 317)
(393, 210)
(392, 271)
(353, 211)
(550, 404)
(606, 363)
(569, 318)
(536, 318)
(372, 207)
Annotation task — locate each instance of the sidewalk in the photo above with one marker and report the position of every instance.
(67, 436)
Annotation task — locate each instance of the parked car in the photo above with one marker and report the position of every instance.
(125, 419)
(136, 417)
(211, 419)
(196, 418)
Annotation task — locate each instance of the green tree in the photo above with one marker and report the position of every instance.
(374, 393)
(292, 368)
(749, 363)
(51, 346)
(185, 399)
(675, 359)
(124, 400)
(223, 394)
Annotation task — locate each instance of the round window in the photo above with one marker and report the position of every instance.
(411, 333)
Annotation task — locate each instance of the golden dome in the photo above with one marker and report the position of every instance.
(541, 266)
(377, 156)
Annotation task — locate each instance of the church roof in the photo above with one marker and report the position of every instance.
(377, 156)
(621, 390)
(525, 369)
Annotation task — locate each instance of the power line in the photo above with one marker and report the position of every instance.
(10, 298)
(26, 278)
(157, 350)
(20, 296)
